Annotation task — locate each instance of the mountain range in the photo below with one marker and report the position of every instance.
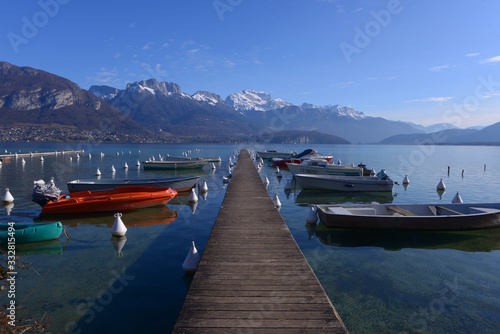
(31, 97)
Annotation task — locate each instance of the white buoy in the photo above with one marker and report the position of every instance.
(225, 179)
(288, 186)
(204, 187)
(23, 161)
(192, 259)
(266, 181)
(97, 172)
(90, 156)
(41, 158)
(212, 166)
(125, 166)
(277, 169)
(276, 200)
(102, 154)
(406, 180)
(0, 162)
(7, 197)
(457, 199)
(138, 164)
(311, 216)
(113, 170)
(118, 229)
(339, 162)
(77, 156)
(193, 198)
(372, 172)
(441, 185)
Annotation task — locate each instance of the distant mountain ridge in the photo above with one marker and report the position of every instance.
(243, 113)
(36, 97)
(30, 97)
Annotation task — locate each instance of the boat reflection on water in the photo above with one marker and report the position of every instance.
(50, 247)
(466, 241)
(329, 197)
(141, 217)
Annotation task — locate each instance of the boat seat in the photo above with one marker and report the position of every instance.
(449, 210)
(473, 210)
(338, 210)
(400, 210)
(363, 211)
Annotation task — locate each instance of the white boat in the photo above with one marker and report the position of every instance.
(439, 217)
(322, 167)
(169, 158)
(298, 158)
(182, 164)
(269, 154)
(184, 183)
(343, 183)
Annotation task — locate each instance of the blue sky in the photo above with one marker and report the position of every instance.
(426, 61)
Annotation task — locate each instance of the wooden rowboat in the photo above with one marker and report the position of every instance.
(182, 164)
(177, 183)
(343, 183)
(20, 233)
(439, 217)
(119, 199)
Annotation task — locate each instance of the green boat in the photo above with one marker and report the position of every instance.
(21, 233)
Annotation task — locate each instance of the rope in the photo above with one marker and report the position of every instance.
(66, 232)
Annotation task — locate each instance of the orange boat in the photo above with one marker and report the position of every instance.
(119, 199)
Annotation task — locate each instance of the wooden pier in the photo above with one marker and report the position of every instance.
(252, 277)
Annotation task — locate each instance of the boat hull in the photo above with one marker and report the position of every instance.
(328, 170)
(174, 164)
(377, 216)
(178, 183)
(343, 183)
(120, 199)
(27, 233)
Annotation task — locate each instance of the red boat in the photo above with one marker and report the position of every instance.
(298, 158)
(119, 199)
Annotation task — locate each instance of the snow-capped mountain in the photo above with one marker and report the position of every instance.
(336, 109)
(207, 97)
(254, 100)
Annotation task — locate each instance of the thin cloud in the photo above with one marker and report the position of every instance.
(357, 10)
(490, 60)
(439, 68)
(472, 54)
(147, 46)
(432, 99)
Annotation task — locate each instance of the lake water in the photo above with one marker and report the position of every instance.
(379, 282)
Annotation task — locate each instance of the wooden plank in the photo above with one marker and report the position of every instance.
(450, 210)
(433, 209)
(252, 276)
(400, 210)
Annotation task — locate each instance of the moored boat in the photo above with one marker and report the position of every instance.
(119, 199)
(322, 167)
(343, 183)
(21, 233)
(177, 183)
(411, 216)
(269, 154)
(207, 159)
(299, 158)
(175, 164)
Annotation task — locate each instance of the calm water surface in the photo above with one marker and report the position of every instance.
(379, 282)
